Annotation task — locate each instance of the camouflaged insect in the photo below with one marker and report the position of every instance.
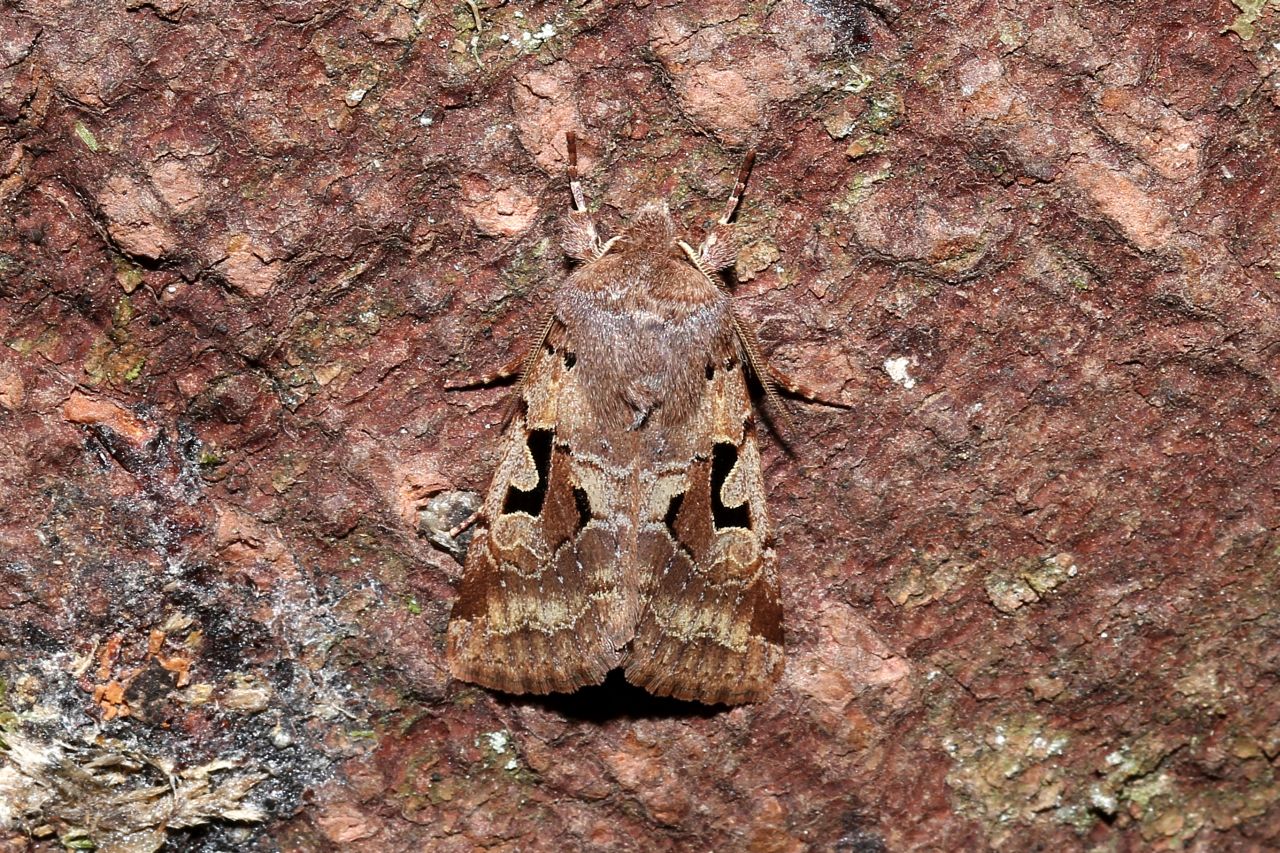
(626, 524)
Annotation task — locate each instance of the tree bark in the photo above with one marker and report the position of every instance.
(1030, 578)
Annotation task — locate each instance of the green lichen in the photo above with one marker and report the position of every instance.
(1014, 773)
(86, 136)
(525, 274)
(1250, 11)
(1137, 784)
(287, 472)
(499, 749)
(8, 718)
(1009, 588)
(1010, 771)
(1050, 572)
(1145, 789)
(210, 458)
(884, 112)
(500, 754)
(927, 578)
(128, 275)
(9, 265)
(856, 80)
(77, 839)
(114, 360)
(541, 248)
(1013, 34)
(858, 189)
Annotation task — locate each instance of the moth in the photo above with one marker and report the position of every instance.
(626, 526)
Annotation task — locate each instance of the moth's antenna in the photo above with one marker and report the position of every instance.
(575, 188)
(738, 186)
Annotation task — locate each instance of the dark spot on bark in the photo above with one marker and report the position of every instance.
(857, 838)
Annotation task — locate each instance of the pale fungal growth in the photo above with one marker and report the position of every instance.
(896, 368)
(497, 741)
(116, 799)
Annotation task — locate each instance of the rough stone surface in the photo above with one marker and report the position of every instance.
(1031, 578)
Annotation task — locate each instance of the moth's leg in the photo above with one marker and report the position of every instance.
(575, 186)
(759, 367)
(719, 250)
(519, 366)
(511, 369)
(465, 523)
(804, 392)
(771, 378)
(579, 238)
(738, 186)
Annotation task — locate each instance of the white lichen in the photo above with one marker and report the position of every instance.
(117, 798)
(896, 369)
(496, 741)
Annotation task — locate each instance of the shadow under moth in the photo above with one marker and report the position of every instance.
(626, 523)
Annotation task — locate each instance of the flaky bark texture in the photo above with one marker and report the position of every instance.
(1030, 579)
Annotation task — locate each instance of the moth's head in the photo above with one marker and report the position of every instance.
(650, 232)
(651, 229)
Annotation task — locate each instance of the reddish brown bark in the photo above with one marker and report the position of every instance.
(1030, 580)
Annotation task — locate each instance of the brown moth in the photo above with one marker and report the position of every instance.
(626, 523)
